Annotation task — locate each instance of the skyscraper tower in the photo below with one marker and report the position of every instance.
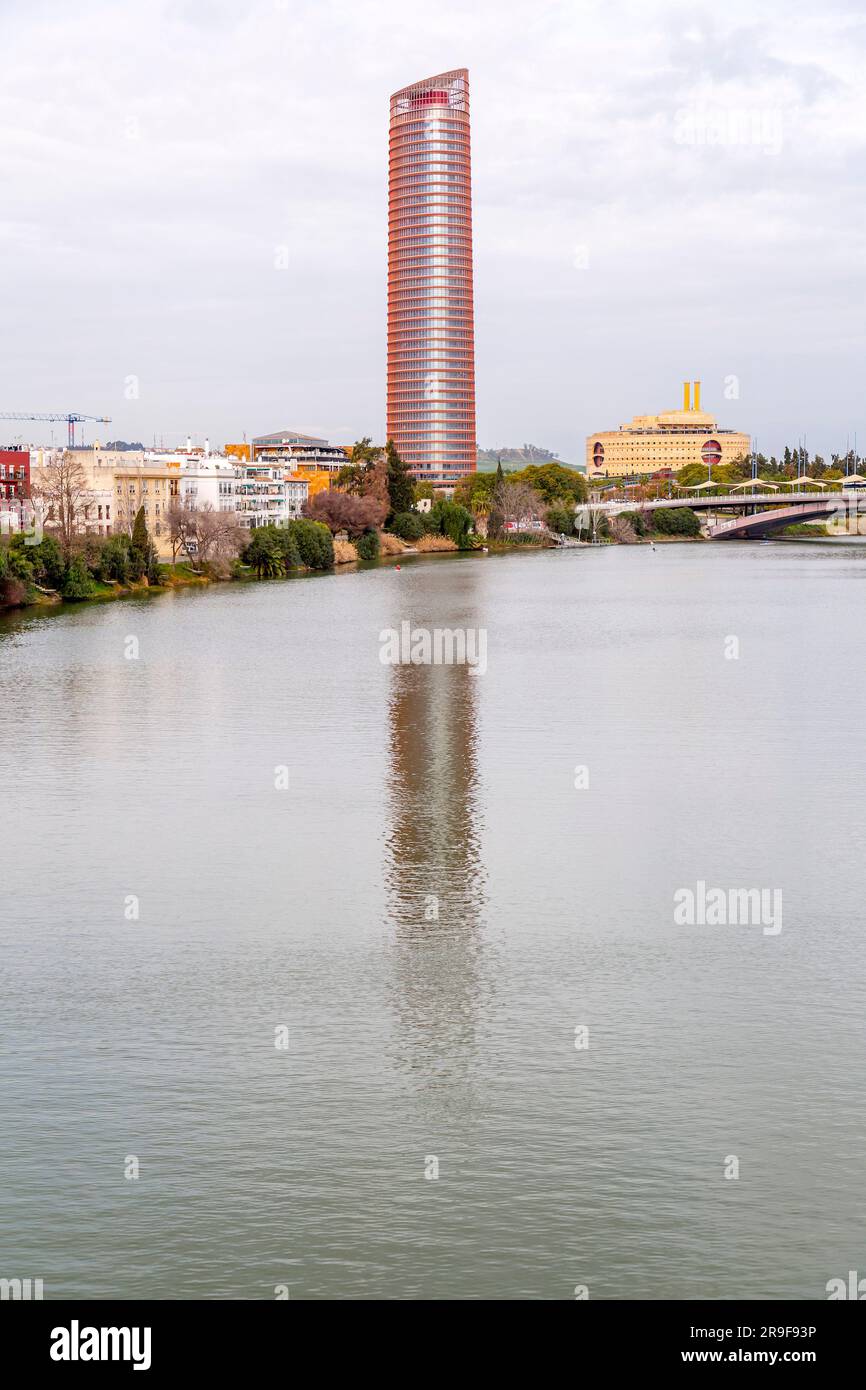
(431, 316)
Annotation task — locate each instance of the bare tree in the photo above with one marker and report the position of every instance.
(181, 530)
(521, 505)
(219, 535)
(205, 535)
(60, 489)
(622, 530)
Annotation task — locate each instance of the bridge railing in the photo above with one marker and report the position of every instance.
(730, 499)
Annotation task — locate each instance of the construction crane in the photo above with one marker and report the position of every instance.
(71, 417)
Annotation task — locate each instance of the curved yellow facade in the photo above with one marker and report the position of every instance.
(667, 442)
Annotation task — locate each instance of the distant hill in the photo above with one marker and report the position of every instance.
(513, 458)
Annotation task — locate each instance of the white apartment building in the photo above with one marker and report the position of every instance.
(210, 480)
(259, 492)
(297, 492)
(263, 495)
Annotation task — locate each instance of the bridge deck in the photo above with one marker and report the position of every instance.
(728, 499)
(775, 511)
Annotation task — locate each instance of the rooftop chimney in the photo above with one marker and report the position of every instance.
(697, 395)
(687, 392)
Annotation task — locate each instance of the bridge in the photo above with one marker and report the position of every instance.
(758, 513)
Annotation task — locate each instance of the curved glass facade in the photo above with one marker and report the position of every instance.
(431, 324)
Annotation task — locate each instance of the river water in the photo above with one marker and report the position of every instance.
(303, 940)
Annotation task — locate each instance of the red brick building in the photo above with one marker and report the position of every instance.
(14, 478)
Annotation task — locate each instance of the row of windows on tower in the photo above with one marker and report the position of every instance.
(443, 166)
(427, 221)
(409, 318)
(432, 261)
(435, 129)
(444, 202)
(416, 379)
(433, 359)
(427, 288)
(402, 241)
(427, 179)
(438, 331)
(439, 217)
(428, 190)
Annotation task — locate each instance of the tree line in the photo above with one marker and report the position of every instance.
(374, 492)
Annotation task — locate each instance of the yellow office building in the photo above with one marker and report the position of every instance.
(664, 443)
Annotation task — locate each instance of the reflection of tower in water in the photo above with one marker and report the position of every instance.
(433, 843)
(434, 873)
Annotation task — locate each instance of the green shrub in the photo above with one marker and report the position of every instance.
(367, 545)
(452, 520)
(314, 543)
(409, 526)
(47, 561)
(19, 564)
(264, 553)
(113, 560)
(676, 521)
(288, 547)
(77, 583)
(561, 520)
(12, 590)
(638, 521)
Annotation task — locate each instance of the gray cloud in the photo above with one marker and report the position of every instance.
(159, 159)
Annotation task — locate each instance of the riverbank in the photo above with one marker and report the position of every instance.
(181, 575)
(104, 591)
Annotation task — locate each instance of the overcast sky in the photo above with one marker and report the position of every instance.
(194, 206)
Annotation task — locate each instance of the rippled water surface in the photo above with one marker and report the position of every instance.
(431, 909)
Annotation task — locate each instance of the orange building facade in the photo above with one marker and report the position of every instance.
(317, 479)
(431, 324)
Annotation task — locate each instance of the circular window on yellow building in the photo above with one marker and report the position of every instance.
(711, 452)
